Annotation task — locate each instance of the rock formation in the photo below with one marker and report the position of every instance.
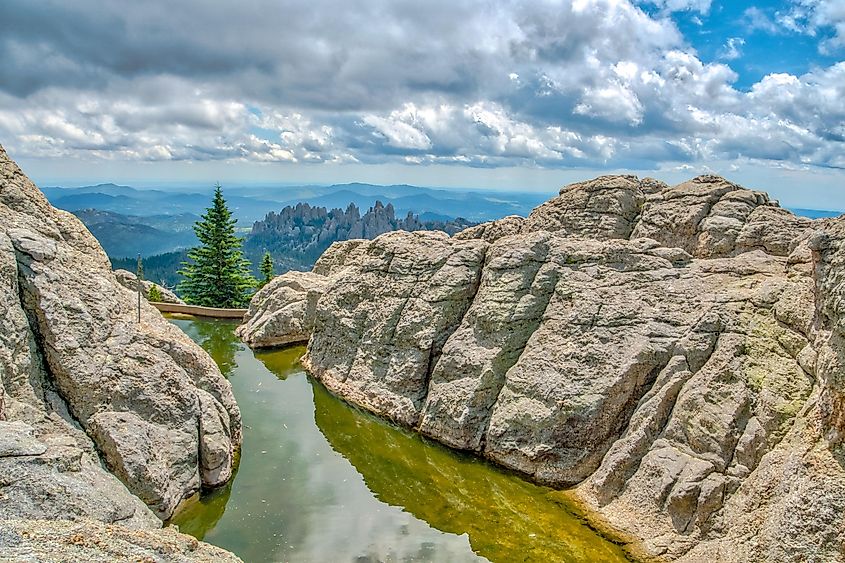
(100, 417)
(297, 235)
(283, 311)
(130, 281)
(676, 354)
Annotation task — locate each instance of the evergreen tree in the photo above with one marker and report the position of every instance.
(218, 274)
(266, 269)
(154, 294)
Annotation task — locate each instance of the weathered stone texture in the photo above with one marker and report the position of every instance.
(60, 541)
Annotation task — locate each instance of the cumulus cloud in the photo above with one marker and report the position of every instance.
(553, 83)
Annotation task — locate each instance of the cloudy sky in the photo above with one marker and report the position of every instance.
(524, 94)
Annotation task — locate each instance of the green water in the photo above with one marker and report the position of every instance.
(319, 480)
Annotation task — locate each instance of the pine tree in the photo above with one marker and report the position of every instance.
(266, 269)
(154, 294)
(218, 274)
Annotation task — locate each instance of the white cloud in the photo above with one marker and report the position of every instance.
(817, 18)
(757, 19)
(733, 48)
(550, 83)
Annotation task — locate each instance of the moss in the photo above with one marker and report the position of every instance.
(780, 385)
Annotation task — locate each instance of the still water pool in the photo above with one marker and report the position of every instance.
(319, 480)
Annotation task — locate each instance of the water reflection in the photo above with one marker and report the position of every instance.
(321, 481)
(281, 362)
(216, 336)
(505, 517)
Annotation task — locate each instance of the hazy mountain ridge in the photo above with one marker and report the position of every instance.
(129, 235)
(252, 203)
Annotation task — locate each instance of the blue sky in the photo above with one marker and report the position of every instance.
(513, 94)
(762, 44)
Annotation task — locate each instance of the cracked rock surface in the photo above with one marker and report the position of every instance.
(674, 353)
(100, 417)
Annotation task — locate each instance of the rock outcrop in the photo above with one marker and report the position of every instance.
(130, 281)
(297, 235)
(676, 354)
(283, 311)
(97, 411)
(93, 541)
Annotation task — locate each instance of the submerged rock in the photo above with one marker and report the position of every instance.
(675, 353)
(97, 411)
(130, 281)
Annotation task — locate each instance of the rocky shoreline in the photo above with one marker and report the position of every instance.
(106, 424)
(674, 354)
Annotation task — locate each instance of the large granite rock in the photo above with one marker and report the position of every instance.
(677, 354)
(130, 281)
(283, 311)
(98, 412)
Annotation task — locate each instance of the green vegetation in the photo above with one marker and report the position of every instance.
(154, 294)
(266, 269)
(217, 275)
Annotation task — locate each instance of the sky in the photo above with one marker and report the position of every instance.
(524, 95)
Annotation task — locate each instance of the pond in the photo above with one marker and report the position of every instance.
(319, 480)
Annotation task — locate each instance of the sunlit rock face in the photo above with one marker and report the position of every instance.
(675, 353)
(100, 416)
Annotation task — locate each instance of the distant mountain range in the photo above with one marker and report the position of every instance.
(128, 220)
(814, 213)
(251, 204)
(143, 203)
